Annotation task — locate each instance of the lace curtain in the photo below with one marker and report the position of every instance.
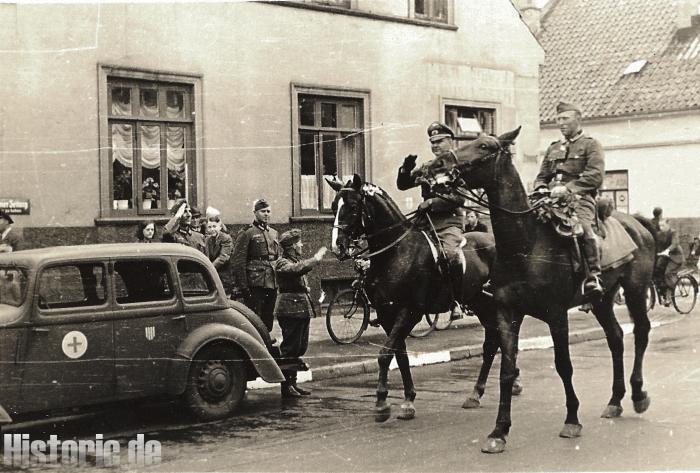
(123, 151)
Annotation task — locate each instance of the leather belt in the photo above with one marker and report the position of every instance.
(264, 258)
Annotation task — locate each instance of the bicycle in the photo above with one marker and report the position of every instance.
(683, 296)
(348, 313)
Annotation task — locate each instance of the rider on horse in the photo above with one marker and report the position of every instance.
(447, 217)
(576, 165)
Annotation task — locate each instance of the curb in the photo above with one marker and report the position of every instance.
(443, 356)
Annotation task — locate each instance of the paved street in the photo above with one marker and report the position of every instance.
(334, 430)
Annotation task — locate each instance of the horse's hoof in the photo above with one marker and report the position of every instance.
(408, 412)
(517, 389)
(642, 405)
(571, 431)
(611, 412)
(494, 445)
(471, 403)
(382, 413)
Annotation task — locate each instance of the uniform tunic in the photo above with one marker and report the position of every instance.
(579, 165)
(254, 252)
(293, 308)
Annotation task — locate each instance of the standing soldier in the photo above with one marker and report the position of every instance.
(293, 308)
(255, 250)
(576, 165)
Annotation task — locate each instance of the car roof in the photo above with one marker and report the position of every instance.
(39, 256)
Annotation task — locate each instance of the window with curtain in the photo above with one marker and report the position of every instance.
(331, 143)
(150, 127)
(432, 10)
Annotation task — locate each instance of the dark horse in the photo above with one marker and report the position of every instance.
(403, 280)
(533, 274)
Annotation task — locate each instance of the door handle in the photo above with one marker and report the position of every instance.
(179, 317)
(40, 330)
(182, 318)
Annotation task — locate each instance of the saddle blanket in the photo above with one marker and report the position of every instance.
(617, 246)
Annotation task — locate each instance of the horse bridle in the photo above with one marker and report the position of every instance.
(356, 236)
(456, 177)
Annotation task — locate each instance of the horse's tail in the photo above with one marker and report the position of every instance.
(651, 228)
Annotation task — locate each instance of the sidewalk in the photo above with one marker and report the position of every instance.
(462, 340)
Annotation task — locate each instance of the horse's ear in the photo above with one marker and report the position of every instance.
(509, 137)
(334, 183)
(356, 182)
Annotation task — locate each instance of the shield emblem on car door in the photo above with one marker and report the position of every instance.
(150, 332)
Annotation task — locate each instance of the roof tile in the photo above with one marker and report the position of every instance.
(589, 43)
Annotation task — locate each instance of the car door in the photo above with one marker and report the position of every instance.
(68, 357)
(148, 326)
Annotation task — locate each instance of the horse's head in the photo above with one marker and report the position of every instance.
(348, 210)
(472, 165)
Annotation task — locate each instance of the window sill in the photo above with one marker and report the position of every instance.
(129, 220)
(312, 218)
(365, 14)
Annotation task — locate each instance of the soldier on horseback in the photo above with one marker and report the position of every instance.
(575, 164)
(447, 217)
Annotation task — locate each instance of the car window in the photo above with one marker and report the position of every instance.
(194, 279)
(13, 285)
(141, 281)
(72, 285)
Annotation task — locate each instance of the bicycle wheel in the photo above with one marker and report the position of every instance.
(347, 316)
(425, 326)
(685, 293)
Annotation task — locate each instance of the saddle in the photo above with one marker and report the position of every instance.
(616, 246)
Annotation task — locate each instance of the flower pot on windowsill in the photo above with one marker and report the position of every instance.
(147, 204)
(121, 204)
(171, 202)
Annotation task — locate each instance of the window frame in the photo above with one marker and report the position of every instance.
(618, 192)
(430, 15)
(333, 93)
(50, 312)
(474, 104)
(194, 148)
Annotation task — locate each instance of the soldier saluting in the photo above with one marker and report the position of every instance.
(576, 165)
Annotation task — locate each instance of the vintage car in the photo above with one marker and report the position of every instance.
(86, 325)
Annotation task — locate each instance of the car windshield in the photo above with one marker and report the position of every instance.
(13, 285)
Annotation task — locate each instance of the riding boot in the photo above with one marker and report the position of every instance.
(592, 287)
(456, 274)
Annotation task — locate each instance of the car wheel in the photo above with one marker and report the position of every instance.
(216, 383)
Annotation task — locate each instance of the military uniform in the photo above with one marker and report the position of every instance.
(447, 216)
(174, 232)
(293, 306)
(254, 253)
(577, 163)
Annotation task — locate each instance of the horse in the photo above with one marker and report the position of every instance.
(404, 282)
(534, 274)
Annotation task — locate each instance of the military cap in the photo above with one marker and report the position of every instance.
(6, 216)
(290, 237)
(196, 213)
(567, 107)
(260, 204)
(438, 131)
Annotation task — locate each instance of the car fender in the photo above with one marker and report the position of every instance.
(260, 358)
(4, 416)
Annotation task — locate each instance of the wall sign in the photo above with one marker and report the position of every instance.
(15, 206)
